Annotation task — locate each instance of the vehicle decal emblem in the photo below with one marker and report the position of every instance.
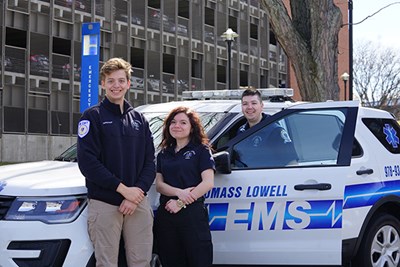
(391, 135)
(2, 185)
(83, 128)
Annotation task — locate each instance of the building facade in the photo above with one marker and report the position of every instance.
(173, 46)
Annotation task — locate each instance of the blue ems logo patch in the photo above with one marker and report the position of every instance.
(2, 185)
(83, 128)
(285, 137)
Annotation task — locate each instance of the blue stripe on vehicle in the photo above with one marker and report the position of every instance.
(363, 195)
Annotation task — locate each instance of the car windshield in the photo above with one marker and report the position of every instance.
(68, 155)
(156, 120)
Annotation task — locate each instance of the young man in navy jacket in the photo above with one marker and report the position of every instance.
(116, 156)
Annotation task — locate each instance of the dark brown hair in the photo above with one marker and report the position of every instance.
(197, 133)
(251, 92)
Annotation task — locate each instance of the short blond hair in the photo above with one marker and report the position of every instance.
(114, 64)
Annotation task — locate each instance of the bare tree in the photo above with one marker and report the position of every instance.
(309, 37)
(376, 75)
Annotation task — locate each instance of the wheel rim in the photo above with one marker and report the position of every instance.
(385, 249)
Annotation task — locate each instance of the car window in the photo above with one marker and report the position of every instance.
(302, 138)
(229, 134)
(386, 131)
(156, 120)
(68, 155)
(357, 150)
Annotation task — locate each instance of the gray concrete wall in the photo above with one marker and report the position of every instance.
(22, 148)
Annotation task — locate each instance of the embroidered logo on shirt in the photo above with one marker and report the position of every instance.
(83, 128)
(256, 140)
(189, 154)
(136, 124)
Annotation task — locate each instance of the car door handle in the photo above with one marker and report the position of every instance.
(321, 186)
(366, 171)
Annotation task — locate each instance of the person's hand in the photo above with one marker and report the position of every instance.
(133, 194)
(127, 207)
(172, 206)
(186, 196)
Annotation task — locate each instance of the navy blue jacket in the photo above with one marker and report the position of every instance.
(115, 148)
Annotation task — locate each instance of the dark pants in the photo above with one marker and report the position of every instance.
(184, 239)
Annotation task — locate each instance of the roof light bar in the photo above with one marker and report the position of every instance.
(236, 93)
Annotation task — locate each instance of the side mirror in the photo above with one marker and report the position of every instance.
(222, 162)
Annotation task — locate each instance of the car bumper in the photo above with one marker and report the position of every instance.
(32, 243)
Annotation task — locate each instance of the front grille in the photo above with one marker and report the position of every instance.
(53, 252)
(5, 203)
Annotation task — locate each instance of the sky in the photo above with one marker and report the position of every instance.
(382, 28)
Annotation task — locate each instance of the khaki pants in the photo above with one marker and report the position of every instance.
(105, 225)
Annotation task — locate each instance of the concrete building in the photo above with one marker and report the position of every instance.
(173, 46)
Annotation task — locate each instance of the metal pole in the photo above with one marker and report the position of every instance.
(229, 44)
(350, 2)
(345, 90)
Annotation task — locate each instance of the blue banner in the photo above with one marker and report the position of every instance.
(90, 65)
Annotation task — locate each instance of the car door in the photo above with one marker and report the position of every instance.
(282, 202)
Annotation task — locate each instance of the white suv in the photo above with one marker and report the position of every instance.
(336, 202)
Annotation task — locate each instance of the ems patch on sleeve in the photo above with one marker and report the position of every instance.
(83, 128)
(285, 137)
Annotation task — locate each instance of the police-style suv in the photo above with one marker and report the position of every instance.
(336, 201)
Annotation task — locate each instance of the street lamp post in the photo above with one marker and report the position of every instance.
(350, 7)
(345, 77)
(229, 36)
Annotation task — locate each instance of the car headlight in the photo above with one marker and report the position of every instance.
(46, 209)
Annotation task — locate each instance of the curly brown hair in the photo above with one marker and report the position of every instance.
(197, 134)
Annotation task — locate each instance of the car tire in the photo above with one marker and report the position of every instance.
(380, 245)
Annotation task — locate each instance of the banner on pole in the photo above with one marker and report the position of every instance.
(90, 65)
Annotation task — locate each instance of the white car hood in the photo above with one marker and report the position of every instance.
(43, 178)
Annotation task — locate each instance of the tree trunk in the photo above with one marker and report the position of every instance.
(310, 40)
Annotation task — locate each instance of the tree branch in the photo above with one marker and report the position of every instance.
(370, 16)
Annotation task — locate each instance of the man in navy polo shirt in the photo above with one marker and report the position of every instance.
(271, 146)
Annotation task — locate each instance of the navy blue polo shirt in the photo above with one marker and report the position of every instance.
(246, 126)
(183, 169)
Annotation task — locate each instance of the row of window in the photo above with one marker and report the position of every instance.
(41, 60)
